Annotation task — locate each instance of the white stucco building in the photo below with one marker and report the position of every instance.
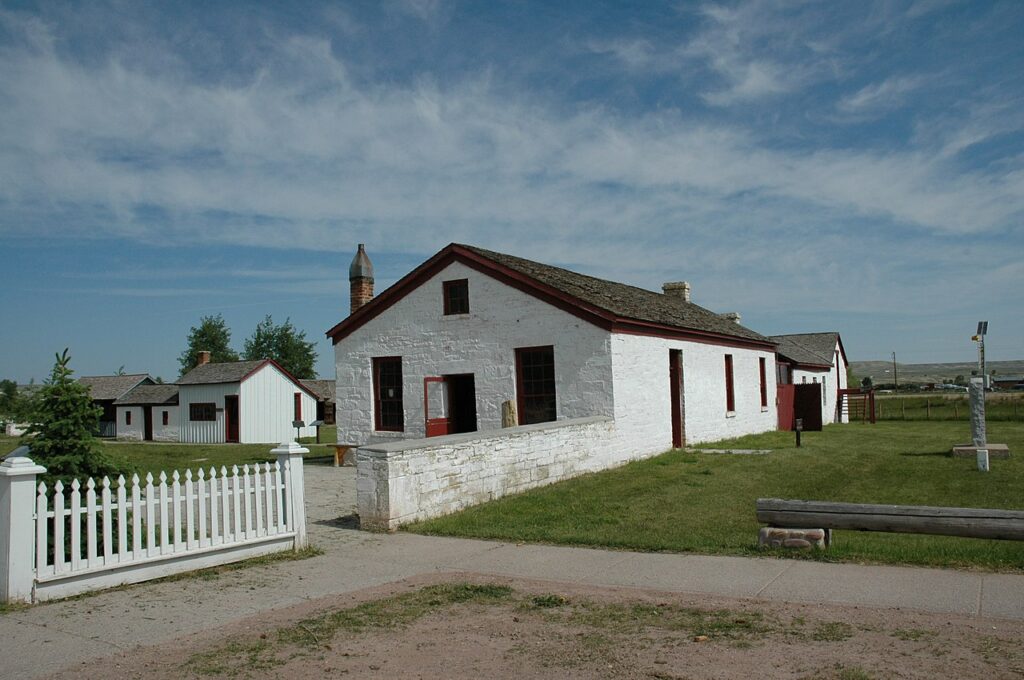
(249, 402)
(148, 413)
(812, 359)
(469, 330)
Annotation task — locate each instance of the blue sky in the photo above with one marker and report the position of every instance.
(815, 166)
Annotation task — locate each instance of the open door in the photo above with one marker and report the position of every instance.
(807, 406)
(435, 406)
(231, 418)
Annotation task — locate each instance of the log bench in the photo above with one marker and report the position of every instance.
(799, 517)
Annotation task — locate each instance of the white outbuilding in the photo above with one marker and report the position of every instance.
(148, 413)
(249, 402)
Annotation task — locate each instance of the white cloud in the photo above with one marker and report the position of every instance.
(877, 98)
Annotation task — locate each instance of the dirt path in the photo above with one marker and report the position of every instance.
(472, 626)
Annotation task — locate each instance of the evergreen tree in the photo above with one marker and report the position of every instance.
(211, 335)
(284, 344)
(60, 434)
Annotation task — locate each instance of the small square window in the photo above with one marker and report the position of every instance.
(456, 297)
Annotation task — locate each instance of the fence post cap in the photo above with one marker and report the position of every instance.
(17, 463)
(290, 448)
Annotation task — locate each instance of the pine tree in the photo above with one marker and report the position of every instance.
(211, 335)
(284, 344)
(63, 419)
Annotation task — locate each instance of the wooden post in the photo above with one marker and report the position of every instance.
(956, 412)
(508, 414)
(927, 408)
(289, 456)
(18, 525)
(903, 408)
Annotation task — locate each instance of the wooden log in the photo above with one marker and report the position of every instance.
(915, 519)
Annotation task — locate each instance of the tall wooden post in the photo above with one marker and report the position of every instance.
(289, 456)
(17, 525)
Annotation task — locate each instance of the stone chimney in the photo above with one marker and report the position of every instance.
(732, 316)
(360, 278)
(202, 357)
(677, 289)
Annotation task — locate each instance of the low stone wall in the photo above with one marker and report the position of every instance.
(411, 480)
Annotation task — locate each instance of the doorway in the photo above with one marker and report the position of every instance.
(231, 418)
(449, 404)
(675, 378)
(147, 423)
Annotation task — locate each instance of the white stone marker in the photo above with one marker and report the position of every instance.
(978, 434)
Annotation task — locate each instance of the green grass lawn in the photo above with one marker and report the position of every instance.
(143, 457)
(938, 406)
(704, 503)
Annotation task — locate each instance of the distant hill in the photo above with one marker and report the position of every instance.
(924, 373)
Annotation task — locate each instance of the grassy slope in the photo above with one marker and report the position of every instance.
(705, 502)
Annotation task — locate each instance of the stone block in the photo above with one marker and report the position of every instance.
(971, 451)
(797, 539)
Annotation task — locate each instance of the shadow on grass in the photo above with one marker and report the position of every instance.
(918, 454)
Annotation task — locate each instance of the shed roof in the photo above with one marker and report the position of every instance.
(150, 395)
(808, 349)
(109, 387)
(323, 389)
(616, 306)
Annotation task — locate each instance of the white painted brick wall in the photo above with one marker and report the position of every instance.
(482, 342)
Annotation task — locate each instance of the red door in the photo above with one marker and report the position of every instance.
(785, 394)
(435, 406)
(675, 374)
(231, 418)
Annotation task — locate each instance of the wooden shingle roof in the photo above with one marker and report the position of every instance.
(617, 307)
(807, 349)
(150, 395)
(323, 389)
(227, 372)
(110, 387)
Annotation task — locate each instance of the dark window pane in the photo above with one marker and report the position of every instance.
(535, 368)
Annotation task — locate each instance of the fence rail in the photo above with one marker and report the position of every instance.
(83, 536)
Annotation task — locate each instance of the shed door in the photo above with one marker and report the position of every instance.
(231, 418)
(435, 406)
(784, 404)
(807, 405)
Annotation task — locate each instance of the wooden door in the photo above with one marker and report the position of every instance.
(231, 418)
(784, 399)
(147, 423)
(675, 379)
(807, 406)
(435, 406)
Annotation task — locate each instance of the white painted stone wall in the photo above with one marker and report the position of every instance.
(642, 404)
(401, 482)
(482, 342)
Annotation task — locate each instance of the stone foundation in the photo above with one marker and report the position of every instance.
(798, 539)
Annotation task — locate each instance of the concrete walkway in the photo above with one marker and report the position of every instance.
(48, 637)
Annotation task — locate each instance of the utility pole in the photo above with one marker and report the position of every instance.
(895, 375)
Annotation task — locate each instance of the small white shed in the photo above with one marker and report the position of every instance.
(249, 402)
(148, 413)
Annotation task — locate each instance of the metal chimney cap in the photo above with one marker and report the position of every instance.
(361, 267)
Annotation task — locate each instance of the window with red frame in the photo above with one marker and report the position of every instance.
(298, 406)
(535, 378)
(127, 417)
(456, 297)
(730, 394)
(389, 411)
(762, 366)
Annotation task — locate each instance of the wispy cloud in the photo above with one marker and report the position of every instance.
(877, 98)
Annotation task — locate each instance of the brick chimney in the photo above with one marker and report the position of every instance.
(677, 289)
(360, 278)
(202, 357)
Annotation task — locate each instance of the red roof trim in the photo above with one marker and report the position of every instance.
(590, 313)
(286, 374)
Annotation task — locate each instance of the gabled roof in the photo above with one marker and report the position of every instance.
(234, 372)
(109, 387)
(322, 389)
(226, 372)
(809, 349)
(150, 395)
(614, 306)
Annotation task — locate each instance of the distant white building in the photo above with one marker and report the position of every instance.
(243, 401)
(816, 359)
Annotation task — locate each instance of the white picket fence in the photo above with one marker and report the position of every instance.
(88, 536)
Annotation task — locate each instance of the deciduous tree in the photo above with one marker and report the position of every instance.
(211, 335)
(284, 344)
